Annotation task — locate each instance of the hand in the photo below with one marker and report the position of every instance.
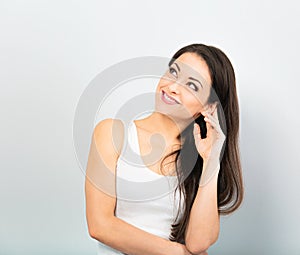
(211, 146)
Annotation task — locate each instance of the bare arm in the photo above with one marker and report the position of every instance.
(101, 200)
(204, 222)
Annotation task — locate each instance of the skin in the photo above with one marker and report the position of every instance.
(170, 120)
(167, 121)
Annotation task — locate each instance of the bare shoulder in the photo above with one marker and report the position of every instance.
(103, 155)
(110, 132)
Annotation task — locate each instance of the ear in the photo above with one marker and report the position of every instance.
(205, 108)
(210, 107)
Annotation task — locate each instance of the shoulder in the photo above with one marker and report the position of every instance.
(110, 133)
(109, 124)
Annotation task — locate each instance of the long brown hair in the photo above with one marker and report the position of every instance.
(230, 183)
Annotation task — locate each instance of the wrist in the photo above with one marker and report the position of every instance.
(210, 172)
(211, 164)
(211, 160)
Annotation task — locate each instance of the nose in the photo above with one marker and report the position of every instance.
(174, 87)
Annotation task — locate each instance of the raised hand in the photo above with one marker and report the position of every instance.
(211, 146)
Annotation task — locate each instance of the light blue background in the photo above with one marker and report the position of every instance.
(51, 50)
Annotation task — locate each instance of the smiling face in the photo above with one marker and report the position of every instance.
(183, 90)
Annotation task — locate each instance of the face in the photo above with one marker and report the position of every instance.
(183, 90)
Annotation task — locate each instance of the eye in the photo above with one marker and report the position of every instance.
(192, 86)
(173, 71)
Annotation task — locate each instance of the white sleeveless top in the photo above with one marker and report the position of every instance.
(145, 199)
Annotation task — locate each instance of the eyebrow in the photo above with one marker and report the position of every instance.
(189, 77)
(177, 66)
(196, 80)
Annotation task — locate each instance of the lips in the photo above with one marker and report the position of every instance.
(168, 99)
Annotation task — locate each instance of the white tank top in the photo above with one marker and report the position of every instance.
(145, 199)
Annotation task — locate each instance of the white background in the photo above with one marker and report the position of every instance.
(51, 50)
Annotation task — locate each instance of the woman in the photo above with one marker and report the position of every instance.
(196, 112)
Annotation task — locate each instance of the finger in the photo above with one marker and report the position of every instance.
(209, 111)
(213, 123)
(210, 117)
(197, 131)
(209, 123)
(215, 112)
(213, 117)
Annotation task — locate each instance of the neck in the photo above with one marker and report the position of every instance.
(164, 125)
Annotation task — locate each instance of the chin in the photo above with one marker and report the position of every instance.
(178, 115)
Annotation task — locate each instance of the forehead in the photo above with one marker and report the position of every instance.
(195, 66)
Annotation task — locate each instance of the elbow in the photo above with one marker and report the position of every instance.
(197, 247)
(199, 242)
(93, 232)
(98, 230)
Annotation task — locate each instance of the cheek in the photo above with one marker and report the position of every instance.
(201, 98)
(161, 84)
(195, 103)
(195, 100)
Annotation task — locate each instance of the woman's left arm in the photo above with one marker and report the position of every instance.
(204, 221)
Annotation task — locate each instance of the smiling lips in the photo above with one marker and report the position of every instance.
(167, 99)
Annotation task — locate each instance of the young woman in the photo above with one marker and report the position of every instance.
(197, 118)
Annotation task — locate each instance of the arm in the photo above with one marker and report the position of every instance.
(100, 180)
(204, 222)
